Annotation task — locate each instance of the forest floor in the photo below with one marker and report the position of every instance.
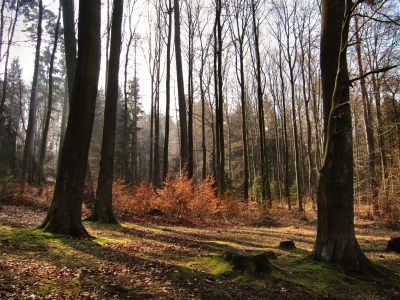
(151, 259)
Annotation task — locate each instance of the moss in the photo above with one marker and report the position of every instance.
(221, 294)
(316, 277)
(106, 240)
(212, 265)
(45, 288)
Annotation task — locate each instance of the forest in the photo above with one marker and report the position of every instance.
(189, 149)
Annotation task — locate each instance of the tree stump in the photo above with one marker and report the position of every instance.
(287, 245)
(394, 244)
(251, 262)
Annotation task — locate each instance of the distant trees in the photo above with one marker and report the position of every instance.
(251, 115)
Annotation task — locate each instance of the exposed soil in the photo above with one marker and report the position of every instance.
(151, 259)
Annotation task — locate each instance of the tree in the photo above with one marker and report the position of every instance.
(239, 23)
(192, 18)
(266, 192)
(11, 124)
(204, 46)
(181, 92)
(103, 212)
(69, 41)
(336, 241)
(7, 54)
(50, 101)
(64, 215)
(30, 131)
(167, 91)
(219, 99)
(132, 38)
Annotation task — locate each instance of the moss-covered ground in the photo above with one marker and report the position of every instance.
(145, 261)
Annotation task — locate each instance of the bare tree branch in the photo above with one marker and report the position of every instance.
(381, 70)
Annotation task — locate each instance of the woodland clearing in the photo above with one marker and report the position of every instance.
(151, 258)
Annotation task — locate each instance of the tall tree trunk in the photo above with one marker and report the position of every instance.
(49, 103)
(285, 135)
(71, 61)
(124, 160)
(219, 114)
(156, 172)
(103, 212)
(30, 132)
(336, 241)
(168, 92)
(181, 93)
(266, 191)
(216, 146)
(151, 131)
(64, 215)
(203, 112)
(244, 130)
(190, 90)
(238, 25)
(367, 117)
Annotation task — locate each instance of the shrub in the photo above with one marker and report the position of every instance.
(176, 196)
(205, 203)
(129, 201)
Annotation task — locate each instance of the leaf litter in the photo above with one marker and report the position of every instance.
(161, 262)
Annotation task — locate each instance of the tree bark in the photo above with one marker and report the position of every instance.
(30, 132)
(103, 212)
(168, 92)
(64, 215)
(265, 185)
(336, 241)
(181, 93)
(69, 41)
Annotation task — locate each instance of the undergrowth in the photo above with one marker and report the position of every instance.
(180, 199)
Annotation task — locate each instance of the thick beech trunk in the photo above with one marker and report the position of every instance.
(336, 241)
(64, 216)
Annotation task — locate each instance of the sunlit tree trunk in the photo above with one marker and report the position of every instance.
(336, 241)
